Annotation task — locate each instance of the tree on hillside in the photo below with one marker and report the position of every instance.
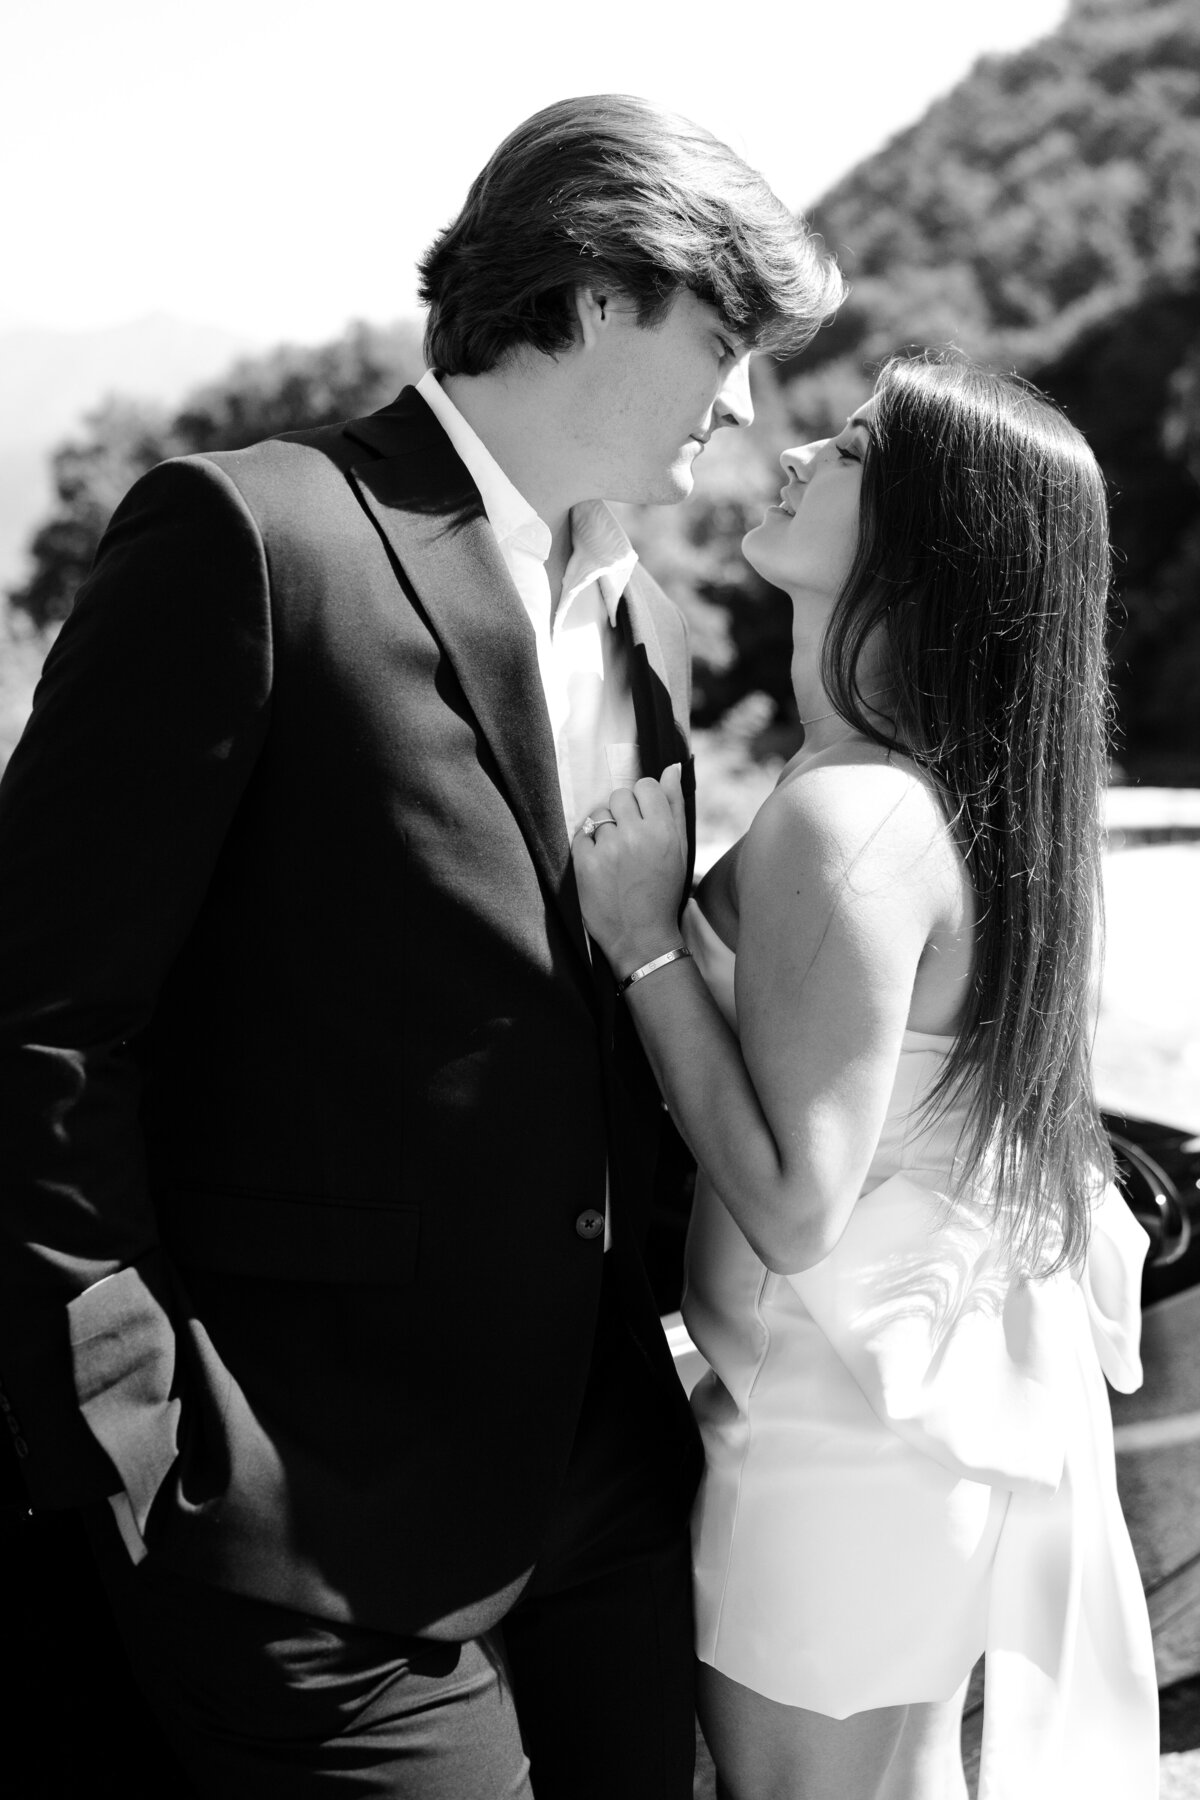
(1151, 450)
(122, 439)
(288, 390)
(1049, 190)
(296, 389)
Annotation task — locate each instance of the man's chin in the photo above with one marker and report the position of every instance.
(666, 489)
(678, 484)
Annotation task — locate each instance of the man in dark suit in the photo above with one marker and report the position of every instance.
(327, 1147)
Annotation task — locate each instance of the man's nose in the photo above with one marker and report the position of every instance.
(733, 404)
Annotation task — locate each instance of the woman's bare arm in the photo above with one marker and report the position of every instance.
(841, 882)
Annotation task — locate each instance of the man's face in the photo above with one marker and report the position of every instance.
(654, 394)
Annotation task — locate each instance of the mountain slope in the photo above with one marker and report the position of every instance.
(1048, 191)
(1045, 215)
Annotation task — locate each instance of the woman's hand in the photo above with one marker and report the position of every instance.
(631, 871)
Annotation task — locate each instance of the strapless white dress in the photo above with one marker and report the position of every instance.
(910, 1462)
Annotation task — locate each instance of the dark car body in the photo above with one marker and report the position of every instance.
(1158, 1168)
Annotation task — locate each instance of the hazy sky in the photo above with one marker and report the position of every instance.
(276, 166)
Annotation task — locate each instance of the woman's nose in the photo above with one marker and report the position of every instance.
(799, 460)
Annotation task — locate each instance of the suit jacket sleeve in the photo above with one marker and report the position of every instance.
(146, 724)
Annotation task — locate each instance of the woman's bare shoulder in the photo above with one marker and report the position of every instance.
(717, 895)
(854, 804)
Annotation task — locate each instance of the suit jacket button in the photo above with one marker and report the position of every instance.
(590, 1224)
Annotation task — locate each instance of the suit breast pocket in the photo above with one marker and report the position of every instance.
(293, 1238)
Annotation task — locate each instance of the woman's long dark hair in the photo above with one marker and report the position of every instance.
(983, 563)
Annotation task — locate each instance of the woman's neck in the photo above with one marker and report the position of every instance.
(824, 725)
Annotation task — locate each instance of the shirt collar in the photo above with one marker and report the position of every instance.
(509, 514)
(601, 551)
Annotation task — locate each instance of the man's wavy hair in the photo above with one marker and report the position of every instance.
(983, 562)
(608, 190)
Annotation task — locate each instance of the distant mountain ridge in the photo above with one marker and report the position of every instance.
(284, 389)
(50, 379)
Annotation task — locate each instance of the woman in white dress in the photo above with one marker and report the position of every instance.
(907, 1267)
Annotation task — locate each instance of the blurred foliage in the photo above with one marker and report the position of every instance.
(1044, 216)
(287, 390)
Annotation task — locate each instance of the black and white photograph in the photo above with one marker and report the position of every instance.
(599, 878)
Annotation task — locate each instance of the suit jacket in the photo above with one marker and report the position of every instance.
(306, 1075)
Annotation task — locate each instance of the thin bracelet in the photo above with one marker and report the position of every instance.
(660, 962)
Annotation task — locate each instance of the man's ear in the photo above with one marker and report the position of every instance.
(593, 309)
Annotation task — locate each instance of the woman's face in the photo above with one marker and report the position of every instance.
(806, 543)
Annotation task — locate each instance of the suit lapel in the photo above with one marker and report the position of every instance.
(658, 732)
(661, 714)
(430, 514)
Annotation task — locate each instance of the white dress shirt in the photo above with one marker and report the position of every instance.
(581, 657)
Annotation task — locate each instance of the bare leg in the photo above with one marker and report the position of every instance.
(765, 1751)
(928, 1762)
